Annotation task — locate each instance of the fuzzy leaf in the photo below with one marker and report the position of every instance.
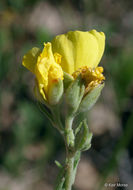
(90, 99)
(60, 180)
(83, 138)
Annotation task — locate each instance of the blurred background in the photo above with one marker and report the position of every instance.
(28, 143)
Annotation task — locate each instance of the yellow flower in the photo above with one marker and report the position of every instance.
(45, 66)
(75, 53)
(79, 49)
(81, 53)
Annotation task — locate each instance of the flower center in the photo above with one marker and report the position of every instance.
(91, 77)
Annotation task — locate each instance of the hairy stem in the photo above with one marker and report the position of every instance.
(70, 156)
(69, 173)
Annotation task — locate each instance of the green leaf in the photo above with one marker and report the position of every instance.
(60, 179)
(76, 161)
(78, 128)
(83, 138)
(58, 164)
(46, 111)
(90, 99)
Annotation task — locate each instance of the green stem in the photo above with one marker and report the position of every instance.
(69, 122)
(70, 157)
(71, 169)
(69, 173)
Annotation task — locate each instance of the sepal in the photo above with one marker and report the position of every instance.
(68, 79)
(90, 99)
(74, 95)
(55, 92)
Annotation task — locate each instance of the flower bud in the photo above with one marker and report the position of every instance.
(74, 95)
(90, 99)
(55, 92)
(68, 79)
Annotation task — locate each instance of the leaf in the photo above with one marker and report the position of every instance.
(58, 164)
(46, 111)
(78, 128)
(83, 138)
(90, 99)
(60, 179)
(76, 161)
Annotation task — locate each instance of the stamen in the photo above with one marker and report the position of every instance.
(91, 77)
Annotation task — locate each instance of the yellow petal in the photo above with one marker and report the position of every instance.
(42, 67)
(79, 49)
(39, 96)
(100, 36)
(47, 70)
(30, 59)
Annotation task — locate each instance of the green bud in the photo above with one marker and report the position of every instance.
(74, 95)
(68, 79)
(83, 138)
(70, 137)
(55, 92)
(90, 99)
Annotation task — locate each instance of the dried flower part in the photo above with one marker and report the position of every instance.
(91, 77)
